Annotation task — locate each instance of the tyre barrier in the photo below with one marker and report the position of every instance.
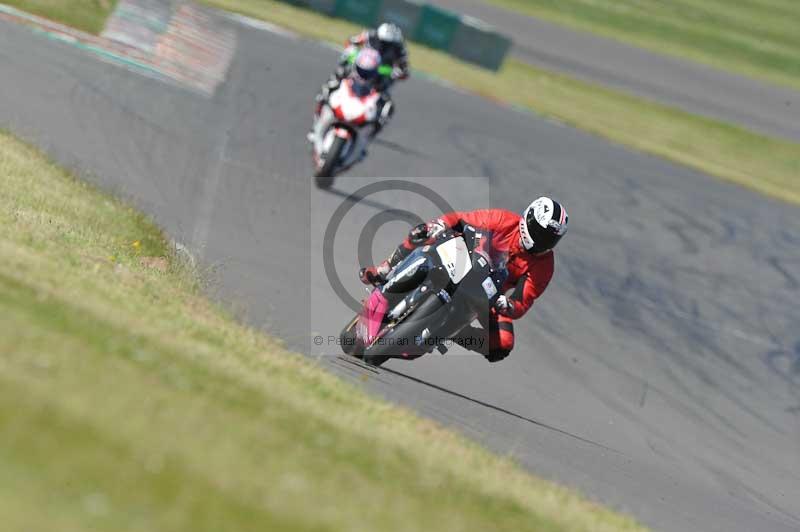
(463, 37)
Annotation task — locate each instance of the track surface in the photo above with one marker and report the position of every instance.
(660, 373)
(694, 87)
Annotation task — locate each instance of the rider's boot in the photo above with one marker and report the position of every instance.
(474, 339)
(319, 100)
(385, 113)
(477, 340)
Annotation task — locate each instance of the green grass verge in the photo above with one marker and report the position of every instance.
(129, 402)
(86, 15)
(770, 166)
(757, 38)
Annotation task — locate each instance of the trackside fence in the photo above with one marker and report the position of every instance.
(463, 37)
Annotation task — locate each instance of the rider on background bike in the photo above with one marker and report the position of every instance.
(388, 41)
(522, 245)
(364, 79)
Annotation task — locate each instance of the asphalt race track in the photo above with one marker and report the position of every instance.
(659, 374)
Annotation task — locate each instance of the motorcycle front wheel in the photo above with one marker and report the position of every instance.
(323, 178)
(348, 340)
(404, 335)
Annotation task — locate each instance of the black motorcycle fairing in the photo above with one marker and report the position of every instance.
(425, 305)
(407, 338)
(409, 273)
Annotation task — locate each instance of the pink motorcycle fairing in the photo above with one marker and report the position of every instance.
(375, 308)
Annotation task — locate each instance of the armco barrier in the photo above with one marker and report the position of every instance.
(436, 27)
(323, 6)
(463, 37)
(364, 12)
(404, 13)
(477, 43)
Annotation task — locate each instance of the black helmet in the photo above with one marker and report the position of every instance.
(543, 224)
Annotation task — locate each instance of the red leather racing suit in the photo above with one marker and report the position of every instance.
(528, 274)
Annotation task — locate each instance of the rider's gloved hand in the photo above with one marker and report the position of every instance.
(375, 275)
(348, 53)
(419, 234)
(435, 228)
(503, 305)
(399, 73)
(423, 233)
(387, 110)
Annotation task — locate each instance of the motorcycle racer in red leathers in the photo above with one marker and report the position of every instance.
(522, 245)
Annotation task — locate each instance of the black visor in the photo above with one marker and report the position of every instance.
(544, 238)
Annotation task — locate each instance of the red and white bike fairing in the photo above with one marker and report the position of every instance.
(349, 114)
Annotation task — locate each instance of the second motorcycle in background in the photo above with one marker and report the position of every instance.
(348, 116)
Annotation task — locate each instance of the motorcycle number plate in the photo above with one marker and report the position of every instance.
(489, 287)
(455, 258)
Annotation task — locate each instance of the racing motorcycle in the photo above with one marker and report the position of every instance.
(428, 298)
(345, 124)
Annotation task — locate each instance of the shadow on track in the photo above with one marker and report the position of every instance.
(498, 409)
(399, 148)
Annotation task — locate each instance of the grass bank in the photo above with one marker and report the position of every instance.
(770, 166)
(86, 15)
(757, 38)
(129, 402)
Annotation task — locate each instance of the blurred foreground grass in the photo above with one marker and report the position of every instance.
(756, 38)
(770, 166)
(129, 402)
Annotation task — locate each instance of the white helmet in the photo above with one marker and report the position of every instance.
(390, 33)
(542, 225)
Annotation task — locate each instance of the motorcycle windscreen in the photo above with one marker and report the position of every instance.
(455, 258)
(408, 274)
(362, 88)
